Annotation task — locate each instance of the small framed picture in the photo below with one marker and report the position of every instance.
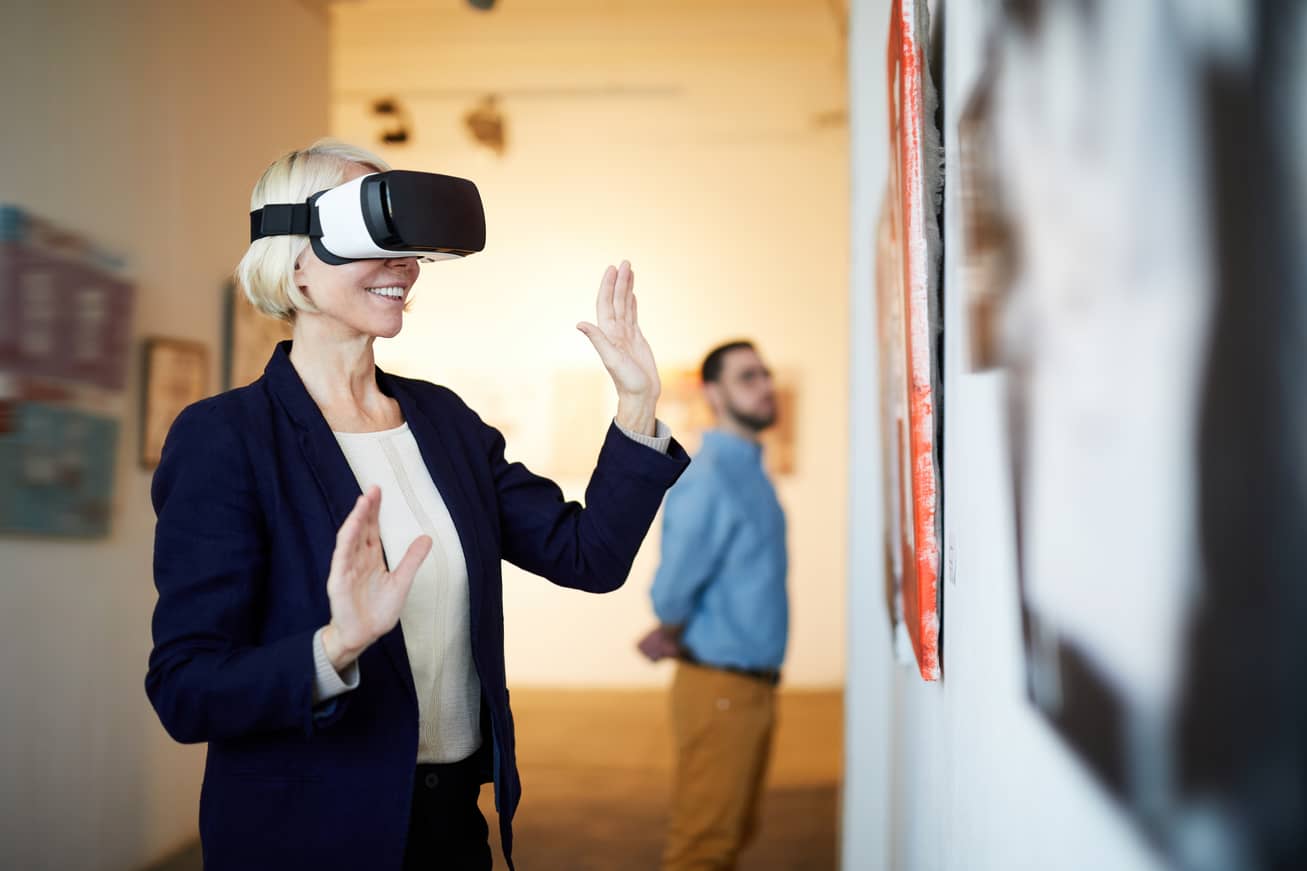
(176, 374)
(249, 338)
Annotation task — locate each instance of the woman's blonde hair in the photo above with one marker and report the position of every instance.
(267, 271)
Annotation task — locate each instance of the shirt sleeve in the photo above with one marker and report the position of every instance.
(327, 682)
(660, 441)
(697, 529)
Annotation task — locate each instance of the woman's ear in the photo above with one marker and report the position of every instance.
(300, 278)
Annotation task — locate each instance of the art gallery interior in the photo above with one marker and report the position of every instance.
(1031, 280)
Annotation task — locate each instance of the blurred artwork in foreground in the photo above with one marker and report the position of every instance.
(65, 331)
(1149, 158)
(896, 470)
(908, 318)
(986, 228)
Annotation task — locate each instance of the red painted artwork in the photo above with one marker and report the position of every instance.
(909, 368)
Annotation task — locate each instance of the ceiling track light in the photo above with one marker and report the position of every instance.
(398, 132)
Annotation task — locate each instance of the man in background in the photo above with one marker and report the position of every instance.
(723, 612)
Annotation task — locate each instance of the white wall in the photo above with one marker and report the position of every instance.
(709, 171)
(960, 774)
(142, 125)
(868, 717)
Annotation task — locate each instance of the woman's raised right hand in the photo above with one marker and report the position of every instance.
(366, 599)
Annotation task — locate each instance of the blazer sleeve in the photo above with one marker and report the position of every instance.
(587, 548)
(210, 675)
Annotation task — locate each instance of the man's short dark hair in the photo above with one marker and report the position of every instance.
(716, 359)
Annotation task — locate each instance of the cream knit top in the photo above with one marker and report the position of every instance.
(435, 620)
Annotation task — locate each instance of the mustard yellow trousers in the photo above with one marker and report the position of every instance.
(722, 723)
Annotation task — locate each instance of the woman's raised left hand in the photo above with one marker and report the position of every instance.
(624, 351)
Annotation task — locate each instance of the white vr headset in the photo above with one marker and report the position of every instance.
(383, 215)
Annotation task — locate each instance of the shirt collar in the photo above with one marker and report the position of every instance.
(730, 445)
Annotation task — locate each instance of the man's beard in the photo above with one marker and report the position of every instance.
(755, 422)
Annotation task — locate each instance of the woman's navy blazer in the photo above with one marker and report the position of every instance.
(249, 494)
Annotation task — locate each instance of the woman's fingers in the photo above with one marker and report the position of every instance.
(359, 531)
(608, 352)
(604, 302)
(413, 557)
(374, 507)
(347, 537)
(622, 292)
(632, 316)
(616, 336)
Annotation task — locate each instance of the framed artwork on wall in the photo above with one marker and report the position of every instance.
(587, 397)
(909, 315)
(686, 411)
(1154, 337)
(987, 239)
(175, 374)
(56, 471)
(248, 338)
(66, 309)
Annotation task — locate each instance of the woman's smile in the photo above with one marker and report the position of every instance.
(392, 293)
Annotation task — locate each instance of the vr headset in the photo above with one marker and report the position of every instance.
(383, 215)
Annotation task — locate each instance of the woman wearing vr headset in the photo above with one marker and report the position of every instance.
(329, 538)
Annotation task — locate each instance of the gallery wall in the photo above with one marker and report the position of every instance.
(962, 773)
(866, 800)
(703, 141)
(140, 126)
(1123, 469)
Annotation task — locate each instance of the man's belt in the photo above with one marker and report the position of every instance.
(767, 675)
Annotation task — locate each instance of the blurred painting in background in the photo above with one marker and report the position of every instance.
(249, 337)
(687, 413)
(909, 318)
(56, 471)
(176, 374)
(986, 227)
(1148, 176)
(65, 311)
(583, 404)
(65, 333)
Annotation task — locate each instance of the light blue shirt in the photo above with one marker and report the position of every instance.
(724, 558)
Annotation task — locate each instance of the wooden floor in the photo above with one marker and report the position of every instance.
(596, 775)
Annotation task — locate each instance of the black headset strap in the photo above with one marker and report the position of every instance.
(285, 219)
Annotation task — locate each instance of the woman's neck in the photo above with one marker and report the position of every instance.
(339, 373)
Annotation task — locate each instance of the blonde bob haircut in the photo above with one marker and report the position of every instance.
(267, 271)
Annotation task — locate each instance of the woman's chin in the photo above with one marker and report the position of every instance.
(388, 330)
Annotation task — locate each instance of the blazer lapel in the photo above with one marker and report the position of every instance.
(331, 470)
(435, 440)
